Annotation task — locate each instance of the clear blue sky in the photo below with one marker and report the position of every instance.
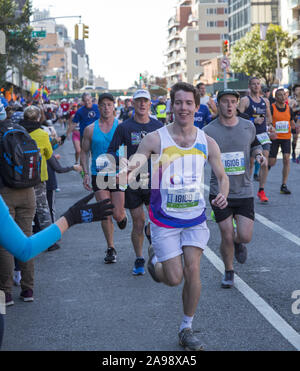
(126, 37)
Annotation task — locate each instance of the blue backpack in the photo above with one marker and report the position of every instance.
(20, 159)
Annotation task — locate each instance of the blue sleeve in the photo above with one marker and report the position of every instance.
(76, 118)
(208, 116)
(17, 243)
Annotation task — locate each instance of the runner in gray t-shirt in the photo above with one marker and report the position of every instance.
(237, 140)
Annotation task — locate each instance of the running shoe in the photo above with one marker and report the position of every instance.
(228, 280)
(298, 160)
(8, 300)
(122, 224)
(189, 341)
(150, 265)
(256, 177)
(110, 256)
(240, 252)
(284, 190)
(53, 247)
(262, 196)
(27, 296)
(147, 235)
(139, 267)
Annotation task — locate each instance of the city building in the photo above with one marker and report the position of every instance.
(290, 22)
(195, 34)
(243, 14)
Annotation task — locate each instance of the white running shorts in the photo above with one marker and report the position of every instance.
(167, 243)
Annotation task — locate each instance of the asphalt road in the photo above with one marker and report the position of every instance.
(83, 304)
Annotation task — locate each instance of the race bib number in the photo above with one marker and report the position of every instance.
(182, 200)
(282, 127)
(234, 163)
(263, 138)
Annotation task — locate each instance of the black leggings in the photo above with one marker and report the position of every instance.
(1, 328)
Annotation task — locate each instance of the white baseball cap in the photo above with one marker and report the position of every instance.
(141, 93)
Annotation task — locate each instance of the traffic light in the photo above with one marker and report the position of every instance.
(225, 47)
(141, 77)
(85, 31)
(76, 32)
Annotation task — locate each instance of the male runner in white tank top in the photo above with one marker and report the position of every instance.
(177, 208)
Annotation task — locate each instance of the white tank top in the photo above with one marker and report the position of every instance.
(204, 100)
(177, 183)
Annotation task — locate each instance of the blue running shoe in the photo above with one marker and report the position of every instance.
(139, 267)
(228, 280)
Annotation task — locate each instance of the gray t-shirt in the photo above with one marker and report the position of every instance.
(235, 143)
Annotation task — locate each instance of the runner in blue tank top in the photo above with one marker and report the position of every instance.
(258, 110)
(96, 139)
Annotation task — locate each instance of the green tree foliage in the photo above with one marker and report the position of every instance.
(256, 57)
(21, 48)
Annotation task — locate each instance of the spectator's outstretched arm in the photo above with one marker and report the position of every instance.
(25, 248)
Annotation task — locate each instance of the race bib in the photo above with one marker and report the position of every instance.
(182, 200)
(282, 127)
(234, 163)
(263, 138)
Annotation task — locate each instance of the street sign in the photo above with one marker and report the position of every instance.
(225, 63)
(36, 34)
(49, 77)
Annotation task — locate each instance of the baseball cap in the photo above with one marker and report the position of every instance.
(141, 93)
(227, 92)
(106, 96)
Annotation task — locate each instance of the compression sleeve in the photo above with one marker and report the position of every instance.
(17, 243)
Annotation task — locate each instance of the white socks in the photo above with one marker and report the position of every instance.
(186, 322)
(154, 260)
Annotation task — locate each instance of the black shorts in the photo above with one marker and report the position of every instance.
(236, 206)
(285, 145)
(294, 131)
(96, 189)
(135, 198)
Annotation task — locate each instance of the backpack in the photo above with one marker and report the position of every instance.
(20, 160)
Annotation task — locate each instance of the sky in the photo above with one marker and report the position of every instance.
(127, 37)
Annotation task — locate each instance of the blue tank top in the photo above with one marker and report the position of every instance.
(101, 142)
(254, 110)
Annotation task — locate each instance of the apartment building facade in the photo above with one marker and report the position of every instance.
(290, 21)
(195, 34)
(243, 14)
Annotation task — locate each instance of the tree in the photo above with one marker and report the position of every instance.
(21, 48)
(256, 57)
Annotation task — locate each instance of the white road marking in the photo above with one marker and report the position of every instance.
(290, 334)
(283, 233)
(264, 308)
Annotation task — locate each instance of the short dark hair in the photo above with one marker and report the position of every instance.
(84, 95)
(185, 87)
(296, 86)
(280, 89)
(200, 84)
(106, 96)
(253, 78)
